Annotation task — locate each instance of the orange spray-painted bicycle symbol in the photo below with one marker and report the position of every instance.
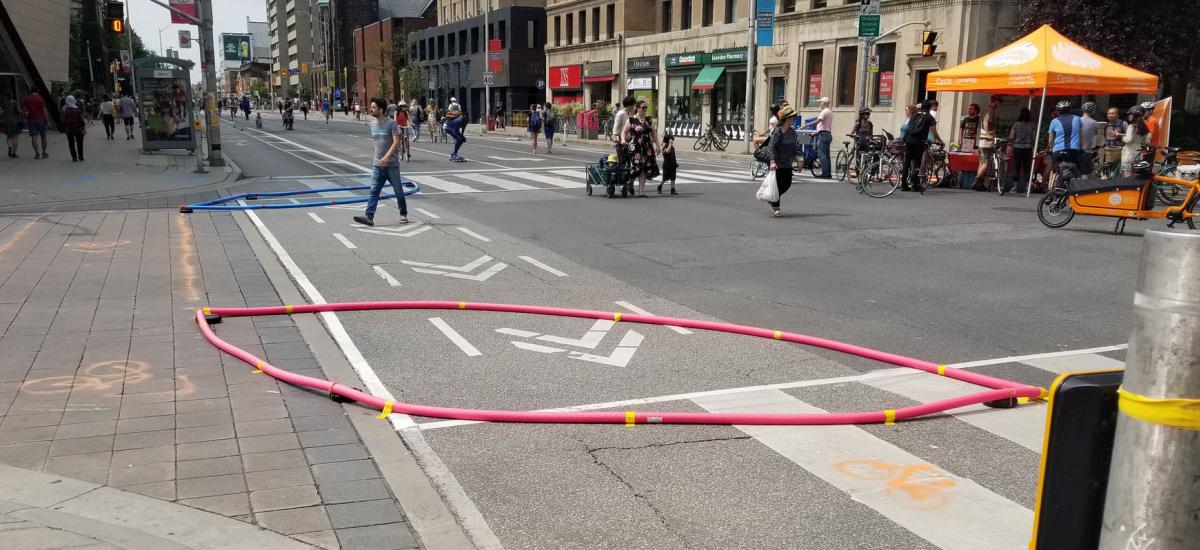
(106, 375)
(921, 482)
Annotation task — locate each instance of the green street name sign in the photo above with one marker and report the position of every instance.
(868, 26)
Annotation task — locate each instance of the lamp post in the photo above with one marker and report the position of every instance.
(160, 42)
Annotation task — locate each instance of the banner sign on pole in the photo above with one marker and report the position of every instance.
(185, 40)
(495, 63)
(235, 47)
(765, 22)
(126, 61)
(186, 6)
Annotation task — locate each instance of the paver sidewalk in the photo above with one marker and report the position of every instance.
(104, 378)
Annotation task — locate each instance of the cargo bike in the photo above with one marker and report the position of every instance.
(1124, 198)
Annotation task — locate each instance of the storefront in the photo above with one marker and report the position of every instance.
(728, 85)
(684, 102)
(598, 80)
(566, 83)
(643, 81)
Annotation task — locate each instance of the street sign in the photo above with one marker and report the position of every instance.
(489, 78)
(873, 64)
(540, 84)
(126, 61)
(869, 7)
(868, 26)
(764, 22)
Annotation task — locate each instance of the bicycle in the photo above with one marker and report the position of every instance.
(847, 158)
(711, 138)
(881, 175)
(1131, 198)
(405, 147)
(935, 171)
(999, 165)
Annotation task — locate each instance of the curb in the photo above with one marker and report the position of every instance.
(124, 519)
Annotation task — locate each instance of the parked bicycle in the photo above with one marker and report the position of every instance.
(935, 168)
(999, 165)
(882, 165)
(711, 138)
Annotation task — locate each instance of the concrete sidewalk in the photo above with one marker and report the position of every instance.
(116, 175)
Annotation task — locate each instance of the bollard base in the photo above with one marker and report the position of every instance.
(212, 319)
(1002, 403)
(185, 209)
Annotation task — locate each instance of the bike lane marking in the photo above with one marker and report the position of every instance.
(455, 337)
(949, 511)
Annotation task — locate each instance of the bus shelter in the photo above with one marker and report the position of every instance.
(164, 90)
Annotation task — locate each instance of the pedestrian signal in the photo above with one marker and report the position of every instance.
(928, 48)
(114, 16)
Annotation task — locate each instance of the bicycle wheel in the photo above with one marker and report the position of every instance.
(841, 165)
(880, 179)
(1054, 210)
(815, 169)
(757, 169)
(1001, 169)
(1171, 193)
(936, 175)
(720, 141)
(701, 144)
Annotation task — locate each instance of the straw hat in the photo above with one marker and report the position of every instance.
(786, 112)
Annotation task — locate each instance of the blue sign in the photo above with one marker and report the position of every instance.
(337, 93)
(765, 22)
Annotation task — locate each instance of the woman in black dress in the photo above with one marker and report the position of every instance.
(643, 148)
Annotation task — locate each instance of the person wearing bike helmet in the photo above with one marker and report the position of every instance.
(1137, 135)
(863, 129)
(1091, 138)
(1065, 131)
(1148, 116)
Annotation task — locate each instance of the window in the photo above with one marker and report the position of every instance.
(729, 97)
(683, 103)
(685, 15)
(730, 10)
(788, 6)
(530, 34)
(666, 16)
(557, 34)
(706, 13)
(847, 69)
(462, 42)
(583, 25)
(450, 44)
(455, 12)
(921, 94)
(477, 7)
(474, 39)
(884, 80)
(441, 46)
(778, 89)
(596, 23)
(503, 35)
(813, 78)
(422, 52)
(570, 28)
(612, 20)
(819, 3)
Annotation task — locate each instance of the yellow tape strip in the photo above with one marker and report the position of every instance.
(258, 367)
(462, 305)
(1177, 413)
(387, 410)
(287, 309)
(617, 316)
(206, 310)
(889, 417)
(778, 335)
(941, 370)
(630, 419)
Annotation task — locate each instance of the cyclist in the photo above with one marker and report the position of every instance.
(862, 132)
(1090, 139)
(921, 127)
(403, 122)
(1065, 132)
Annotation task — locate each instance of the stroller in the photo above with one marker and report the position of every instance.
(611, 175)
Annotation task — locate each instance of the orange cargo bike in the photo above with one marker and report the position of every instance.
(1123, 198)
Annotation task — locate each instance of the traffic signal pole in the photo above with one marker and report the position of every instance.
(208, 64)
(868, 47)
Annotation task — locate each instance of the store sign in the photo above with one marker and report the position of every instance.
(597, 69)
(642, 64)
(729, 56)
(565, 76)
(886, 81)
(814, 90)
(641, 83)
(686, 59)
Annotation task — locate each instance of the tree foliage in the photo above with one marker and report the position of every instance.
(1154, 36)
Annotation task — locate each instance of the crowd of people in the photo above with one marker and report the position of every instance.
(31, 115)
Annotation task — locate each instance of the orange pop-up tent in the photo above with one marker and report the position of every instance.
(1043, 63)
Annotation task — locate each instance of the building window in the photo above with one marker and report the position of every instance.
(813, 78)
(729, 97)
(422, 52)
(441, 46)
(788, 6)
(462, 42)
(570, 28)
(683, 103)
(583, 25)
(819, 3)
(557, 34)
(685, 15)
(730, 10)
(530, 34)
(450, 44)
(474, 39)
(847, 69)
(885, 79)
(666, 16)
(612, 20)
(596, 23)
(706, 13)
(503, 34)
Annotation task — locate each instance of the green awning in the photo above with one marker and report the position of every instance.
(707, 79)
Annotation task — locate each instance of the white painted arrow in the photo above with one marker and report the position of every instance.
(410, 231)
(620, 357)
(482, 276)
(462, 269)
(590, 339)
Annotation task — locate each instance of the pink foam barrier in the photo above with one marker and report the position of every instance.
(999, 389)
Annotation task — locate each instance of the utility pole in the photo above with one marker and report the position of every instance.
(752, 15)
(487, 66)
(1152, 494)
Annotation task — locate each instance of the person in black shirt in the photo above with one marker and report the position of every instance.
(781, 147)
(916, 141)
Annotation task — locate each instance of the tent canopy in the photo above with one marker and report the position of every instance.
(1043, 58)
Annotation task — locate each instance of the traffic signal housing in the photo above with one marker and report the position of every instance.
(928, 48)
(114, 17)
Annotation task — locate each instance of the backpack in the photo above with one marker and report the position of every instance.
(535, 119)
(918, 128)
(551, 116)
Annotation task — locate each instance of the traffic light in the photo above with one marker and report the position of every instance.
(928, 48)
(114, 17)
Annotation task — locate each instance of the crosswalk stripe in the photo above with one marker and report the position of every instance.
(714, 177)
(1075, 363)
(501, 183)
(447, 186)
(557, 182)
(898, 485)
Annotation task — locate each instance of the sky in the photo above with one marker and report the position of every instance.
(229, 16)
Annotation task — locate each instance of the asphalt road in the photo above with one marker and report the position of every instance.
(951, 277)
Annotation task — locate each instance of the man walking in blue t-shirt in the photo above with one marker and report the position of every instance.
(1065, 132)
(385, 135)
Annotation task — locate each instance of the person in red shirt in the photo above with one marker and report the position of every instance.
(35, 121)
(403, 122)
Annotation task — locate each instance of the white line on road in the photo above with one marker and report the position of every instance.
(641, 311)
(344, 240)
(873, 375)
(474, 234)
(455, 337)
(428, 213)
(315, 217)
(543, 266)
(387, 276)
(456, 497)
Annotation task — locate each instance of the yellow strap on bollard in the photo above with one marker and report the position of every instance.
(387, 410)
(778, 335)
(287, 310)
(941, 370)
(616, 316)
(630, 419)
(462, 305)
(889, 417)
(1177, 413)
(258, 367)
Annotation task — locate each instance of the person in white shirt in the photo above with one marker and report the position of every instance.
(106, 113)
(620, 119)
(128, 112)
(824, 127)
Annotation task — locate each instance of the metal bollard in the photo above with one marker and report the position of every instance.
(1153, 498)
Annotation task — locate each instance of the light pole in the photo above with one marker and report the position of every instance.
(487, 65)
(161, 52)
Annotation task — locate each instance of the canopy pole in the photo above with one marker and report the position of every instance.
(1037, 136)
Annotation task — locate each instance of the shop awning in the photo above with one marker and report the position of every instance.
(608, 78)
(707, 79)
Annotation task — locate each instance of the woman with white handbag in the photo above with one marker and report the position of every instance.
(778, 152)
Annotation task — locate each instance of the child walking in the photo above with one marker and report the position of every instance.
(669, 162)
